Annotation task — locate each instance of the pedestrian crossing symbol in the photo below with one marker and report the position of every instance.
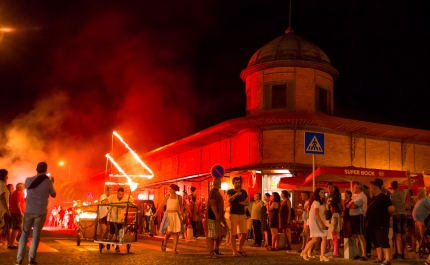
(314, 143)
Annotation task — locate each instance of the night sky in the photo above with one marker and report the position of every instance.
(157, 71)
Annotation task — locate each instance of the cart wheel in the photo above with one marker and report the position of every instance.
(128, 248)
(108, 246)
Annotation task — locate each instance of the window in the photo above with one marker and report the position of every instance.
(323, 100)
(279, 96)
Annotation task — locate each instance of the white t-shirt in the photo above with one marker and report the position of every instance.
(102, 209)
(361, 201)
(337, 228)
(117, 212)
(256, 210)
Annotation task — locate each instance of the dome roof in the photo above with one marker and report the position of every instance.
(292, 50)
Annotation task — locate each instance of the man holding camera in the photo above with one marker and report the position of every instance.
(39, 188)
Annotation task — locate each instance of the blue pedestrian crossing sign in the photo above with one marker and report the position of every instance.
(314, 143)
(217, 171)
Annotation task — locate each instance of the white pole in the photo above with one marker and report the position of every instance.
(313, 172)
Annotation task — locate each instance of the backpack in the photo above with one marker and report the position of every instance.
(293, 214)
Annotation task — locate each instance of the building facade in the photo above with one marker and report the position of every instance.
(289, 88)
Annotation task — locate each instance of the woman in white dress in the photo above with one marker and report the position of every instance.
(317, 226)
(172, 219)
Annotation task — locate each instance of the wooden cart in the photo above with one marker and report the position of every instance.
(85, 222)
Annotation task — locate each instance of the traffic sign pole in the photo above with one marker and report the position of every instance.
(313, 172)
(314, 144)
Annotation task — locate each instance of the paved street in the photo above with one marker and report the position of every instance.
(59, 247)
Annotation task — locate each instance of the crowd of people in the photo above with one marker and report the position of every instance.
(390, 221)
(12, 206)
(60, 218)
(371, 216)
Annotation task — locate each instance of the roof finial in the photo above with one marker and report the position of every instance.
(289, 29)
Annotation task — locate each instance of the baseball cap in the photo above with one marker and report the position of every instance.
(378, 182)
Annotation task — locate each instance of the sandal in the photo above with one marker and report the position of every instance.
(242, 253)
(175, 252)
(163, 247)
(212, 255)
(218, 252)
(304, 256)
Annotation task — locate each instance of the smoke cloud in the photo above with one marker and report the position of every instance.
(109, 73)
(26, 140)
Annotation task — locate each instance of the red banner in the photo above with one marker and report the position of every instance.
(354, 174)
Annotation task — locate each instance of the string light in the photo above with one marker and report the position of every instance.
(133, 185)
(135, 155)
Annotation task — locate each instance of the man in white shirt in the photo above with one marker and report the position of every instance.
(256, 218)
(104, 199)
(357, 210)
(116, 214)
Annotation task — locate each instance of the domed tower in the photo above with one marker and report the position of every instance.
(289, 74)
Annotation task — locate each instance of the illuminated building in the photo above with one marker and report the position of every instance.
(289, 90)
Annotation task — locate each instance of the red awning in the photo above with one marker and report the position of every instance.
(344, 176)
(298, 183)
(293, 183)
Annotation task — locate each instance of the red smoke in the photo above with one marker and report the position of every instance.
(109, 70)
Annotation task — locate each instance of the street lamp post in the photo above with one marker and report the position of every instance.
(4, 31)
